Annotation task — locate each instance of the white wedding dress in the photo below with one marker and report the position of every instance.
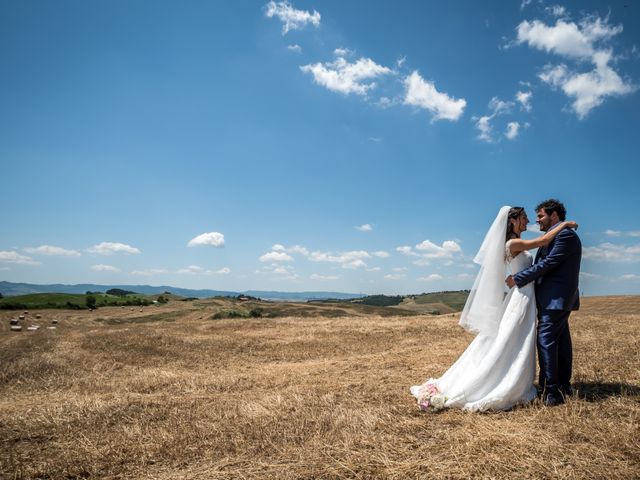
(496, 372)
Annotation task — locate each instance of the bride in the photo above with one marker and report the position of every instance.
(497, 369)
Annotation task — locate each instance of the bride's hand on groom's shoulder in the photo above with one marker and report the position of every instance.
(572, 224)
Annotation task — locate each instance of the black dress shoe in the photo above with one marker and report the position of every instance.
(566, 390)
(551, 401)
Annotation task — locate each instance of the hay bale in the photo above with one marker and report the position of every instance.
(16, 328)
(33, 328)
(38, 315)
(21, 317)
(51, 328)
(54, 321)
(13, 321)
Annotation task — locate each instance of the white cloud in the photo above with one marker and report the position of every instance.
(407, 250)
(104, 268)
(352, 259)
(431, 250)
(430, 278)
(423, 94)
(612, 233)
(344, 77)
(214, 239)
(13, 257)
(294, 48)
(590, 89)
(465, 276)
(612, 253)
(315, 276)
(524, 3)
(524, 98)
(295, 249)
(109, 248)
(373, 269)
(566, 38)
(197, 270)
(365, 228)
(396, 276)
(49, 250)
(578, 42)
(634, 234)
(483, 124)
(512, 130)
(148, 272)
(380, 254)
(291, 18)
(343, 52)
(276, 257)
(630, 276)
(400, 269)
(587, 275)
(557, 10)
(192, 270)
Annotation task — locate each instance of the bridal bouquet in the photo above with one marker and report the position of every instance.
(430, 397)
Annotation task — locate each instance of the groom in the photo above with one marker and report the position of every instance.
(555, 271)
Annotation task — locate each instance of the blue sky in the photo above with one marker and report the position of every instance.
(346, 146)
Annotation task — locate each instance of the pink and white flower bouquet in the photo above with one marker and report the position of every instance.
(430, 397)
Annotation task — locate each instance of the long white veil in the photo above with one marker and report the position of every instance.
(482, 312)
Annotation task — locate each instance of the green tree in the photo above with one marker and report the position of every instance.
(91, 301)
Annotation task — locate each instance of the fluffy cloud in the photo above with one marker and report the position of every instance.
(148, 272)
(214, 239)
(295, 48)
(352, 259)
(407, 250)
(197, 270)
(13, 257)
(512, 130)
(291, 18)
(431, 250)
(364, 228)
(524, 99)
(394, 276)
(483, 124)
(430, 278)
(55, 251)
(109, 248)
(295, 249)
(104, 268)
(343, 52)
(345, 77)
(276, 257)
(423, 94)
(613, 253)
(315, 276)
(380, 254)
(578, 42)
(630, 276)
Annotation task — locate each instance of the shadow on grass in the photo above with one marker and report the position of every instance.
(596, 391)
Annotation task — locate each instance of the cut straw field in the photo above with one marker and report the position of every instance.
(170, 393)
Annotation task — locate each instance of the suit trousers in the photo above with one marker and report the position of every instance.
(555, 354)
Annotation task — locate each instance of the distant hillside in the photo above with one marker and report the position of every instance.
(12, 289)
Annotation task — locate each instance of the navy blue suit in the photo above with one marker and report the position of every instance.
(555, 271)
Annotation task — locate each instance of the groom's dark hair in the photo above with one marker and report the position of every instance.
(553, 205)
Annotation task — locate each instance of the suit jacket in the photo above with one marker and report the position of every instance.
(555, 271)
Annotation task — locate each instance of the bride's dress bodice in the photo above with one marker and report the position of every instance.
(519, 262)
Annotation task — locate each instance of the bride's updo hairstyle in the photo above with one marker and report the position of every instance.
(514, 213)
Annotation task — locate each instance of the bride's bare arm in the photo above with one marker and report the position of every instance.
(518, 245)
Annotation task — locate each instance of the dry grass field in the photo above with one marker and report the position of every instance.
(169, 393)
